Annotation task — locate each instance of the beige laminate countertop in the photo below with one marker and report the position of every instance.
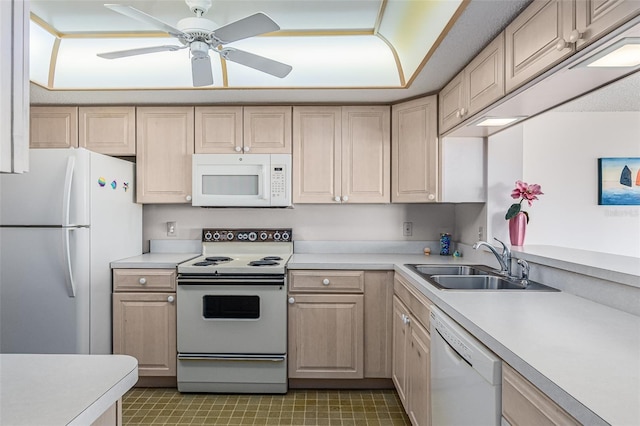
(584, 355)
(153, 260)
(43, 389)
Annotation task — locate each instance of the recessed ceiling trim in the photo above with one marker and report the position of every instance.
(383, 7)
(225, 74)
(439, 40)
(54, 58)
(45, 26)
(396, 58)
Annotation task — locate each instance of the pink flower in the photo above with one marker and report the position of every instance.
(526, 191)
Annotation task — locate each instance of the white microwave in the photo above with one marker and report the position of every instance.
(241, 180)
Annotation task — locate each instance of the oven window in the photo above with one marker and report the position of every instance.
(230, 185)
(231, 307)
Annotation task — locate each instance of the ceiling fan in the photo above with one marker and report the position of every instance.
(200, 34)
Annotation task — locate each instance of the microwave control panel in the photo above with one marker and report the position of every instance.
(278, 182)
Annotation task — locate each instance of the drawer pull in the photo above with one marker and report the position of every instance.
(326, 281)
(142, 280)
(170, 299)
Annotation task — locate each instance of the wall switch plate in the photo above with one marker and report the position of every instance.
(407, 229)
(171, 229)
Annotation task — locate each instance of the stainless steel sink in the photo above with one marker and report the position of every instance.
(428, 270)
(471, 278)
(484, 282)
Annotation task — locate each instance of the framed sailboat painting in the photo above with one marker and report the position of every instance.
(619, 181)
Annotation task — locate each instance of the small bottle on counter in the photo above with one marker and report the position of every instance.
(445, 244)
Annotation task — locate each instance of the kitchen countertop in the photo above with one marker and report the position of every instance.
(583, 355)
(153, 260)
(39, 389)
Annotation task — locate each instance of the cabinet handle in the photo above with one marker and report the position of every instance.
(337, 199)
(291, 300)
(562, 44)
(326, 281)
(463, 112)
(247, 148)
(238, 148)
(142, 281)
(188, 198)
(458, 114)
(431, 197)
(170, 299)
(345, 199)
(575, 35)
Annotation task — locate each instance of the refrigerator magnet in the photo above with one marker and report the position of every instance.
(101, 181)
(125, 186)
(114, 184)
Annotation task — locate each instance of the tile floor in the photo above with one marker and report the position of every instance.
(167, 406)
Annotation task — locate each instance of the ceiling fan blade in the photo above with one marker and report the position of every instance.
(257, 62)
(250, 26)
(201, 71)
(139, 51)
(134, 13)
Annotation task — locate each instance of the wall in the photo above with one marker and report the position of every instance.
(560, 153)
(309, 221)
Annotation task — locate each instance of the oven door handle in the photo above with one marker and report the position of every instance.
(230, 281)
(204, 357)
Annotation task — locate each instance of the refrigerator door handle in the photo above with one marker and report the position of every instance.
(71, 285)
(68, 180)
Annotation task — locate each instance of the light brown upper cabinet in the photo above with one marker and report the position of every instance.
(595, 18)
(341, 154)
(108, 130)
(414, 143)
(163, 160)
(235, 130)
(479, 84)
(53, 127)
(541, 36)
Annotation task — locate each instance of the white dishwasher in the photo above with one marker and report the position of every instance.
(465, 376)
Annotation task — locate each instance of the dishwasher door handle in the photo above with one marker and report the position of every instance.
(452, 353)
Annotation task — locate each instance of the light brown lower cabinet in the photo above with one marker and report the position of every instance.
(339, 324)
(144, 319)
(411, 372)
(523, 404)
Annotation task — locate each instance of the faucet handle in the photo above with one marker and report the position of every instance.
(504, 246)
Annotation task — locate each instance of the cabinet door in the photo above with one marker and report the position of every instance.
(326, 336)
(267, 130)
(108, 130)
(531, 40)
(378, 320)
(365, 154)
(418, 382)
(218, 130)
(144, 326)
(595, 18)
(400, 343)
(164, 149)
(53, 127)
(452, 103)
(414, 144)
(484, 76)
(317, 133)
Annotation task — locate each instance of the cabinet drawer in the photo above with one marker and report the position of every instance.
(523, 404)
(329, 281)
(417, 303)
(144, 280)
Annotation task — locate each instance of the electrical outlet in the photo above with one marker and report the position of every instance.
(171, 229)
(480, 233)
(407, 229)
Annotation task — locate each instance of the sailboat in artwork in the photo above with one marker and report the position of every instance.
(625, 176)
(638, 178)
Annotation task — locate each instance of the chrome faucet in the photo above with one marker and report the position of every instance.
(524, 273)
(504, 259)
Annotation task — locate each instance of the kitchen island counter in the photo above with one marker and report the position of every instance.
(43, 389)
(582, 354)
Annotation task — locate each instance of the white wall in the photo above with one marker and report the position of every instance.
(561, 151)
(309, 221)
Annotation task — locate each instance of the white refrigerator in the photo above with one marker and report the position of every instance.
(61, 224)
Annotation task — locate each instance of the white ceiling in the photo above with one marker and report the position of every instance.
(479, 22)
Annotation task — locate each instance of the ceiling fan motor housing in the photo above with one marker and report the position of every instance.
(198, 28)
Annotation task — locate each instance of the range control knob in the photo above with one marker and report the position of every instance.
(276, 235)
(253, 236)
(285, 236)
(216, 236)
(207, 236)
(263, 236)
(230, 236)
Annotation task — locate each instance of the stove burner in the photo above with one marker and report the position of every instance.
(218, 259)
(205, 263)
(263, 263)
(271, 258)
